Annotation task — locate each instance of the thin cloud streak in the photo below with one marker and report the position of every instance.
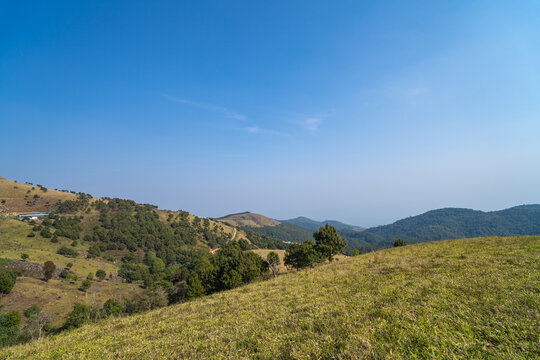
(312, 124)
(211, 107)
(259, 130)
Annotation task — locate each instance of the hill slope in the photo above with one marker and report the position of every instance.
(454, 223)
(266, 226)
(313, 225)
(17, 197)
(471, 298)
(249, 219)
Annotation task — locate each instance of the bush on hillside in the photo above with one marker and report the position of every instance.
(48, 270)
(100, 274)
(7, 281)
(69, 252)
(399, 242)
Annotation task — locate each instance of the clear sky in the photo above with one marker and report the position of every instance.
(365, 112)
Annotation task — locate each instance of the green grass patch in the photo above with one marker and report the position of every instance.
(14, 242)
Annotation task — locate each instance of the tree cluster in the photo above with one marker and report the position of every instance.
(328, 243)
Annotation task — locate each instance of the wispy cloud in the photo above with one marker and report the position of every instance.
(312, 124)
(259, 130)
(211, 107)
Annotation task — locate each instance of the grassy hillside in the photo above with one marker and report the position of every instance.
(14, 242)
(56, 297)
(471, 298)
(249, 219)
(17, 197)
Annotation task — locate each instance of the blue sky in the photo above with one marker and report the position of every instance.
(365, 112)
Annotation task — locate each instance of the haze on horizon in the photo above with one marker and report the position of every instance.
(354, 111)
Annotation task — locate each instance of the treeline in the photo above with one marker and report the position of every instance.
(284, 231)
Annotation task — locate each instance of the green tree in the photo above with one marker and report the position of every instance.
(158, 266)
(24, 256)
(10, 332)
(46, 233)
(301, 255)
(7, 281)
(399, 242)
(328, 242)
(85, 285)
(195, 287)
(244, 244)
(206, 272)
(231, 279)
(48, 270)
(100, 274)
(77, 317)
(112, 308)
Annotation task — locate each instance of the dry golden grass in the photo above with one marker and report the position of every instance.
(16, 196)
(459, 299)
(56, 297)
(249, 219)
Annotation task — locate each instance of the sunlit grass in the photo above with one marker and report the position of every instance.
(14, 242)
(472, 298)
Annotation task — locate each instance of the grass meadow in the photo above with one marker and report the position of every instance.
(458, 299)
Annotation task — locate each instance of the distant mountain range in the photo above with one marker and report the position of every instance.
(315, 225)
(441, 224)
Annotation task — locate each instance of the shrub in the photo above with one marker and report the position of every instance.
(100, 274)
(7, 281)
(54, 239)
(46, 233)
(31, 234)
(85, 285)
(24, 256)
(64, 273)
(112, 308)
(302, 255)
(32, 311)
(399, 242)
(48, 270)
(77, 317)
(67, 252)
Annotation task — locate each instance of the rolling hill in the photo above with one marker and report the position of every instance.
(18, 197)
(248, 219)
(86, 234)
(459, 299)
(269, 227)
(454, 223)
